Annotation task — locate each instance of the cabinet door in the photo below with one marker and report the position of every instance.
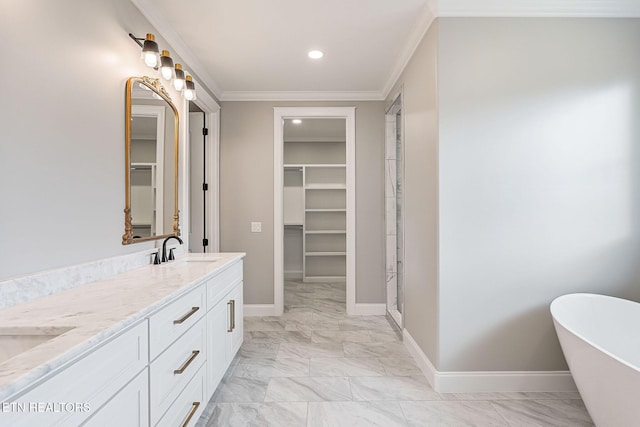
(130, 407)
(237, 333)
(93, 378)
(217, 326)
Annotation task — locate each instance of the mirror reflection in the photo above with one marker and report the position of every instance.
(151, 211)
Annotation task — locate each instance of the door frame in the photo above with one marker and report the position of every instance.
(158, 113)
(391, 138)
(279, 115)
(212, 121)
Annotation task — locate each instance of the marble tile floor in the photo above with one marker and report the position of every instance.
(316, 366)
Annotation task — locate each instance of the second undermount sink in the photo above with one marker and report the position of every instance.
(201, 259)
(18, 339)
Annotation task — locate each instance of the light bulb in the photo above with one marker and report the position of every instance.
(189, 95)
(150, 54)
(178, 82)
(166, 66)
(150, 59)
(190, 89)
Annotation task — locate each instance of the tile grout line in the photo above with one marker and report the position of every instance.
(491, 402)
(404, 416)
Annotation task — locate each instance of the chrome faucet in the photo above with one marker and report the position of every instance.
(164, 248)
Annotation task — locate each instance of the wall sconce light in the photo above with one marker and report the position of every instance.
(166, 66)
(190, 89)
(174, 74)
(178, 81)
(150, 54)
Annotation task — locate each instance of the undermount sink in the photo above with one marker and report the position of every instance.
(18, 339)
(199, 260)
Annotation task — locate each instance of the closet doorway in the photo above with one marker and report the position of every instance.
(314, 201)
(394, 212)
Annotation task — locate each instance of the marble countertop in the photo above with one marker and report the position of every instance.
(96, 311)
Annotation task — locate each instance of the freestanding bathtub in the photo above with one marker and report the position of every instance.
(600, 338)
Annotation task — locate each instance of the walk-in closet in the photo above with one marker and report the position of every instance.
(315, 202)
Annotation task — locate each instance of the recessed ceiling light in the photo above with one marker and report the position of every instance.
(296, 121)
(315, 54)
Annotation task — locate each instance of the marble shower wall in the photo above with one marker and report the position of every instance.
(391, 266)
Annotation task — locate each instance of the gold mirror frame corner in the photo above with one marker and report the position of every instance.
(155, 85)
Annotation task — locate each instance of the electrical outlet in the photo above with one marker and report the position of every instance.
(256, 227)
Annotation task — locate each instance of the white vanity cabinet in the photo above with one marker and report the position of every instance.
(159, 371)
(129, 407)
(91, 379)
(236, 335)
(189, 405)
(173, 320)
(224, 322)
(172, 370)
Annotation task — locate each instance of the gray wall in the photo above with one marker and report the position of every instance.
(65, 64)
(246, 193)
(539, 181)
(419, 81)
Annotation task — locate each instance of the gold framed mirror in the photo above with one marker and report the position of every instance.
(151, 156)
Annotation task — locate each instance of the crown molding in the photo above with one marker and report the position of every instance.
(426, 18)
(540, 8)
(160, 23)
(302, 96)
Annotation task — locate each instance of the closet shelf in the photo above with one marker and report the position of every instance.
(326, 187)
(325, 254)
(318, 165)
(325, 210)
(326, 231)
(324, 278)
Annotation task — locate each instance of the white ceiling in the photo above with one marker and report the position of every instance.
(256, 49)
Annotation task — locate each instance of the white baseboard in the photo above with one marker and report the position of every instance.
(369, 309)
(422, 360)
(469, 382)
(293, 275)
(488, 381)
(270, 310)
(259, 310)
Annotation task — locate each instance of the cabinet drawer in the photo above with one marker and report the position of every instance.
(189, 405)
(130, 407)
(173, 369)
(90, 381)
(168, 324)
(220, 285)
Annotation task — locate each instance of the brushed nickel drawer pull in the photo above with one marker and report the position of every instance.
(230, 317)
(186, 316)
(194, 408)
(233, 314)
(186, 364)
